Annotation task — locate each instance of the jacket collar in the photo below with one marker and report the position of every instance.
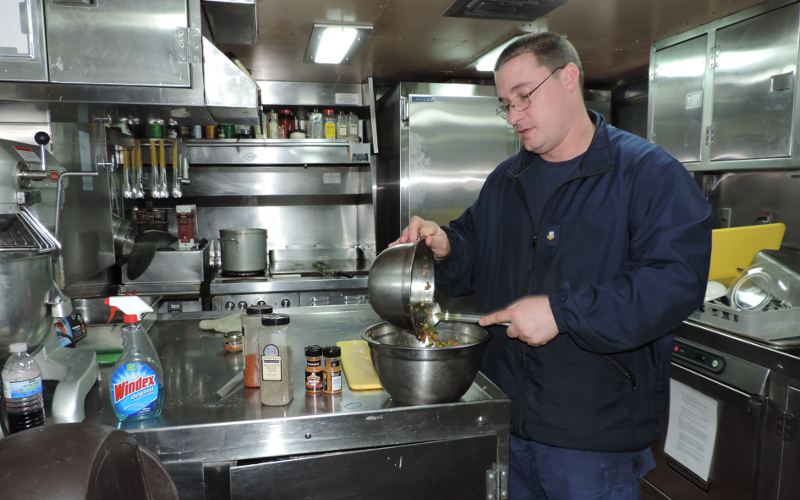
(599, 158)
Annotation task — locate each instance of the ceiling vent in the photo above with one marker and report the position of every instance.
(514, 10)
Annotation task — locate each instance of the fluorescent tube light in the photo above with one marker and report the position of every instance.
(335, 43)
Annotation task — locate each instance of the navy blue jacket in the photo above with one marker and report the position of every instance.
(622, 252)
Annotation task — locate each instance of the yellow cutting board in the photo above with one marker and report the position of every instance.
(733, 248)
(357, 365)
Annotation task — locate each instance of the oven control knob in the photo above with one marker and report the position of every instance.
(230, 306)
(261, 303)
(242, 304)
(285, 303)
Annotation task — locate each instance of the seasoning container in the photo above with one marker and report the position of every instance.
(276, 360)
(315, 129)
(313, 369)
(329, 123)
(352, 127)
(226, 131)
(297, 132)
(285, 123)
(233, 342)
(155, 128)
(251, 324)
(272, 125)
(342, 126)
(333, 369)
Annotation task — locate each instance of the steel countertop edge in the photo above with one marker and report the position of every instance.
(195, 427)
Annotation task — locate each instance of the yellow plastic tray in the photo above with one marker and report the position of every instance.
(732, 249)
(357, 366)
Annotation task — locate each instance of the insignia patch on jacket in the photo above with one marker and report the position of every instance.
(551, 234)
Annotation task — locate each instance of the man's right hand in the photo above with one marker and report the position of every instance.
(435, 238)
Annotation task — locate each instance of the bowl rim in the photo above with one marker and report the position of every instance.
(373, 342)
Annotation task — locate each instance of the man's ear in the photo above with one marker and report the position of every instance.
(570, 76)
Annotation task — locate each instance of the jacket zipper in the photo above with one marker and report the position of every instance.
(618, 366)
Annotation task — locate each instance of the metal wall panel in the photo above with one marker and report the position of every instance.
(118, 42)
(676, 84)
(754, 86)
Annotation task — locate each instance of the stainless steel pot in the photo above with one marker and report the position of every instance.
(414, 374)
(244, 250)
(400, 277)
(25, 281)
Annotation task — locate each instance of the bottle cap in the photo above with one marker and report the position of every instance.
(332, 351)
(18, 347)
(313, 350)
(274, 319)
(258, 310)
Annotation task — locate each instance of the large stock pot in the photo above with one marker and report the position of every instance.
(25, 281)
(244, 250)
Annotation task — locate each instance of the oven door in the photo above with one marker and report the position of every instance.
(734, 462)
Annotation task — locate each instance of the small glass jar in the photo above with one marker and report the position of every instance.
(273, 131)
(333, 369)
(342, 129)
(233, 341)
(313, 369)
(276, 360)
(352, 127)
(251, 324)
(315, 128)
(329, 123)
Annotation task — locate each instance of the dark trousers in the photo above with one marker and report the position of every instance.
(539, 471)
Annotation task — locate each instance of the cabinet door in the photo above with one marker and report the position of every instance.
(790, 458)
(118, 42)
(677, 93)
(754, 86)
(22, 47)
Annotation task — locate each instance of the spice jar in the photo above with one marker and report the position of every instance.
(329, 123)
(233, 342)
(251, 324)
(315, 129)
(285, 123)
(333, 369)
(276, 360)
(313, 369)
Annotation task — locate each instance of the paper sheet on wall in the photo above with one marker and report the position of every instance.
(692, 430)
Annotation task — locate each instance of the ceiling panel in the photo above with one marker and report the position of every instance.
(412, 41)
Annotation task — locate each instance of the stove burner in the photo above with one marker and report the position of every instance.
(243, 274)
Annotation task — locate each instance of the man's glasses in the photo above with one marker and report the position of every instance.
(522, 101)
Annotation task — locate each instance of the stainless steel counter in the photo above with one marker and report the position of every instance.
(195, 431)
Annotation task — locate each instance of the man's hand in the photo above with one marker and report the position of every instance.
(435, 238)
(531, 320)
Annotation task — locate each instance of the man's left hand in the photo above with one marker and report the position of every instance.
(531, 320)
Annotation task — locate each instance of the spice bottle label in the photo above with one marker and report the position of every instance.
(271, 363)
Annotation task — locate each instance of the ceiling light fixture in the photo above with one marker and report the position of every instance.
(335, 43)
(487, 61)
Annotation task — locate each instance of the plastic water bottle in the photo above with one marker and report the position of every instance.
(136, 385)
(22, 389)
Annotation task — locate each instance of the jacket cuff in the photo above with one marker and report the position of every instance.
(449, 263)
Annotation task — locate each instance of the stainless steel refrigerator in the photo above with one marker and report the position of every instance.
(437, 143)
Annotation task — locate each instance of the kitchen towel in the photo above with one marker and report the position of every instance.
(232, 323)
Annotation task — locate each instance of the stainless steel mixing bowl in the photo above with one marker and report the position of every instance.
(413, 374)
(400, 277)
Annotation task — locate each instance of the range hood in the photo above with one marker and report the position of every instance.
(155, 63)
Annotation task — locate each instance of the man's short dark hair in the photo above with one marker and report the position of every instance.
(551, 50)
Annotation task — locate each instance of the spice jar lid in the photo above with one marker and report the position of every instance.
(274, 319)
(313, 350)
(332, 351)
(328, 111)
(232, 336)
(253, 310)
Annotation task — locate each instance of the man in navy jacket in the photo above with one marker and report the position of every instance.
(594, 244)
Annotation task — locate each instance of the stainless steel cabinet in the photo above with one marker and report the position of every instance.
(22, 47)
(754, 86)
(676, 86)
(722, 96)
(109, 43)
